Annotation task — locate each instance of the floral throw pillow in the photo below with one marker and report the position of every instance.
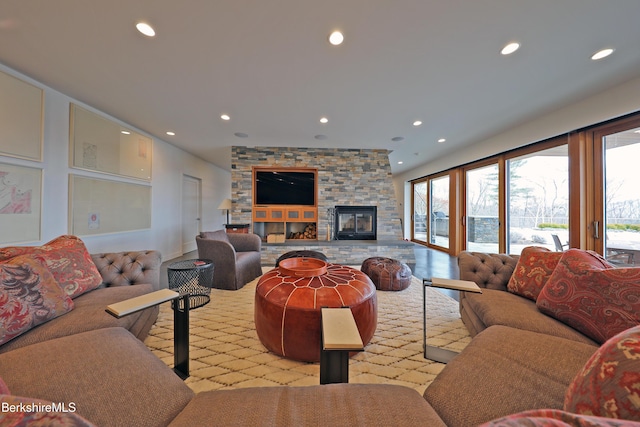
(24, 412)
(29, 296)
(68, 260)
(590, 295)
(609, 383)
(556, 418)
(534, 267)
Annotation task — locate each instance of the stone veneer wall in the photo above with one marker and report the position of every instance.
(345, 177)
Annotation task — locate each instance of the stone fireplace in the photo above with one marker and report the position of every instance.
(345, 177)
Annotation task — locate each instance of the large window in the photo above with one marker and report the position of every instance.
(482, 209)
(439, 211)
(420, 211)
(620, 233)
(538, 200)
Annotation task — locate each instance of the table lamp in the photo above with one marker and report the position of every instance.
(226, 205)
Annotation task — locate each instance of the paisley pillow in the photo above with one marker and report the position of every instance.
(67, 259)
(556, 418)
(591, 295)
(609, 383)
(29, 296)
(534, 267)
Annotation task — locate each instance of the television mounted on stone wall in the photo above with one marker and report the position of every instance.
(284, 187)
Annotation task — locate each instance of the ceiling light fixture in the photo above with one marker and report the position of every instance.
(417, 123)
(324, 120)
(241, 135)
(510, 48)
(125, 132)
(336, 38)
(397, 138)
(441, 140)
(225, 117)
(400, 162)
(170, 133)
(145, 29)
(320, 137)
(602, 54)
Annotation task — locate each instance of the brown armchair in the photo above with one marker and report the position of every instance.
(235, 256)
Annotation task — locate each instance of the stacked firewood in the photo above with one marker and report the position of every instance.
(309, 232)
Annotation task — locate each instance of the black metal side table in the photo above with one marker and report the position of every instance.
(192, 277)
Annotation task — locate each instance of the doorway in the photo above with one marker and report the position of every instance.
(191, 212)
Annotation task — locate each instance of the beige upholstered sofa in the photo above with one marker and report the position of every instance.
(235, 256)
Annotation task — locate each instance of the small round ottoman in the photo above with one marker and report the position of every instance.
(387, 274)
(302, 254)
(288, 300)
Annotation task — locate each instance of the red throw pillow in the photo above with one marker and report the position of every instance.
(29, 296)
(67, 259)
(590, 295)
(3, 387)
(556, 418)
(534, 267)
(609, 383)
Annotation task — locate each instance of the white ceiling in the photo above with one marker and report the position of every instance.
(268, 65)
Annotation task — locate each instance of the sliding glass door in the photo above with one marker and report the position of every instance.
(439, 211)
(618, 237)
(482, 217)
(419, 223)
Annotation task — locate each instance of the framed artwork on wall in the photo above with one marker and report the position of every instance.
(101, 145)
(103, 206)
(20, 203)
(21, 118)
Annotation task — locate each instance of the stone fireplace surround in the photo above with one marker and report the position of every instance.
(345, 177)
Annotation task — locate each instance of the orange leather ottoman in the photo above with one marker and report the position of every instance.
(288, 301)
(387, 274)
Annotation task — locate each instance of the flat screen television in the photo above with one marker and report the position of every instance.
(285, 188)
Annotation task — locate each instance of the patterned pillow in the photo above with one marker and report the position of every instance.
(609, 384)
(532, 271)
(556, 418)
(29, 296)
(23, 412)
(590, 295)
(69, 262)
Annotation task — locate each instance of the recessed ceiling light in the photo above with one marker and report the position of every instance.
(400, 162)
(145, 29)
(170, 133)
(241, 135)
(324, 120)
(336, 38)
(602, 54)
(225, 117)
(510, 48)
(397, 138)
(125, 132)
(320, 137)
(441, 140)
(417, 123)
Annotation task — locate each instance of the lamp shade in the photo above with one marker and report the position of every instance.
(226, 204)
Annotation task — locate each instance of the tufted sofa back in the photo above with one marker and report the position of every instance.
(129, 268)
(491, 271)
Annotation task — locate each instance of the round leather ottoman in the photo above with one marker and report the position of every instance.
(302, 254)
(387, 274)
(288, 302)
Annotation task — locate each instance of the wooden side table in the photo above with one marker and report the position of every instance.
(340, 336)
(438, 354)
(180, 322)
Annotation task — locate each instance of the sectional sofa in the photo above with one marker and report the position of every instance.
(84, 367)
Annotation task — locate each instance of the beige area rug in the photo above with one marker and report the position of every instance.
(225, 351)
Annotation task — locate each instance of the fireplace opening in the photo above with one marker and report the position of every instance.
(355, 223)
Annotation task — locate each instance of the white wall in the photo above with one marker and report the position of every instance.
(616, 102)
(169, 165)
